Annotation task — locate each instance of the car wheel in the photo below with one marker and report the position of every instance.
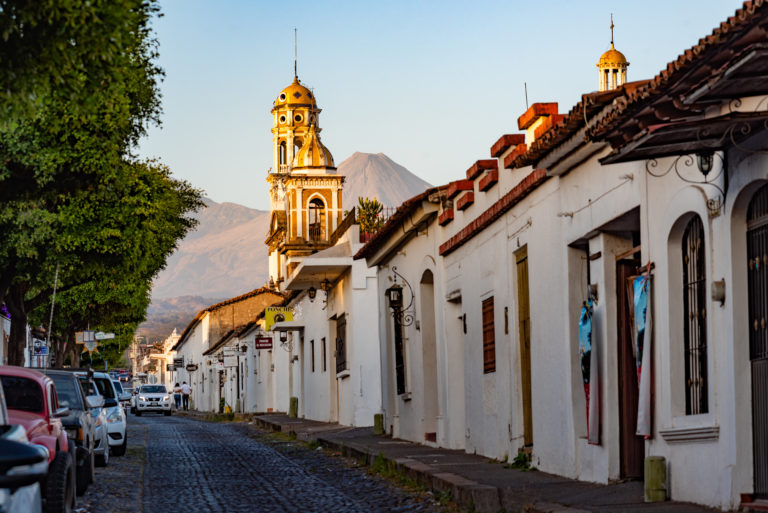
(120, 449)
(59, 492)
(84, 473)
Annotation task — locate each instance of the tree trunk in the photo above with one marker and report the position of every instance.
(18, 339)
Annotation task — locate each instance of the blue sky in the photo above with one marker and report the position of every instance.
(432, 84)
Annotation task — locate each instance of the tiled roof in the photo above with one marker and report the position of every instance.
(565, 128)
(237, 299)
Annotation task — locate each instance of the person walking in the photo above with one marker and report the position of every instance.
(185, 391)
(177, 396)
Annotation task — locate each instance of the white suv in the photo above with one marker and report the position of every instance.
(116, 422)
(153, 398)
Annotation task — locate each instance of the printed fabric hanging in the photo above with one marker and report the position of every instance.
(589, 371)
(643, 331)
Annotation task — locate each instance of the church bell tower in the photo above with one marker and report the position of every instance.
(305, 190)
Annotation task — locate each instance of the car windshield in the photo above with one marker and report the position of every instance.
(153, 389)
(69, 395)
(105, 387)
(118, 386)
(22, 394)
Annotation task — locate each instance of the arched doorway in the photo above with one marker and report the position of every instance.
(757, 279)
(429, 355)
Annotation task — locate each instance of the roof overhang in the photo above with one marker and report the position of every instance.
(418, 221)
(690, 136)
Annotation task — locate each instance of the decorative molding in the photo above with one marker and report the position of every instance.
(690, 434)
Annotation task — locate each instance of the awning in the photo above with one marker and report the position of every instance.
(328, 264)
(288, 326)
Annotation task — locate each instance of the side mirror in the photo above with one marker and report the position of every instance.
(94, 401)
(109, 403)
(61, 412)
(22, 464)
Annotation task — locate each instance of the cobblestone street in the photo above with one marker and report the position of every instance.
(183, 464)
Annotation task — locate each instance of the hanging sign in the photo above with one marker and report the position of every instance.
(263, 342)
(83, 337)
(191, 367)
(100, 335)
(230, 361)
(273, 314)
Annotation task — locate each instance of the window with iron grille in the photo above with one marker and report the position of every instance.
(695, 322)
(341, 344)
(489, 338)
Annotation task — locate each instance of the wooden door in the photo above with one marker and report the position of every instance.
(631, 447)
(524, 328)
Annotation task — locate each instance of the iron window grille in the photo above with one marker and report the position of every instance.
(695, 322)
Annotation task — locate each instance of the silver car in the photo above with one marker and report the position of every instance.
(100, 435)
(153, 398)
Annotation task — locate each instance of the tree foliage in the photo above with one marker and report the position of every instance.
(72, 195)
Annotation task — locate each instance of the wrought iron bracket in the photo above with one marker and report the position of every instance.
(693, 162)
(405, 314)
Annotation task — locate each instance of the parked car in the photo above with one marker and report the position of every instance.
(123, 394)
(116, 423)
(32, 402)
(79, 424)
(98, 415)
(23, 466)
(153, 398)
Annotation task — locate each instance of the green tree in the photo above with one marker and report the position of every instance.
(72, 197)
(370, 214)
(70, 47)
(151, 217)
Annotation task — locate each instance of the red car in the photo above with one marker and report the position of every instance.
(31, 400)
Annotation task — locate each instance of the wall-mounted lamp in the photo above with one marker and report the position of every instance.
(243, 348)
(395, 297)
(283, 337)
(312, 293)
(704, 161)
(325, 285)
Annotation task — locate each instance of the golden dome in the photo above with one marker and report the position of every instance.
(295, 94)
(312, 153)
(612, 59)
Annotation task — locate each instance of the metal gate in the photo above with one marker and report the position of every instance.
(757, 265)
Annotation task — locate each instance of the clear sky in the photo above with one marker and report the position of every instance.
(432, 84)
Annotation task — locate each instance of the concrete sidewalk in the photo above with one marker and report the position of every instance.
(474, 482)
